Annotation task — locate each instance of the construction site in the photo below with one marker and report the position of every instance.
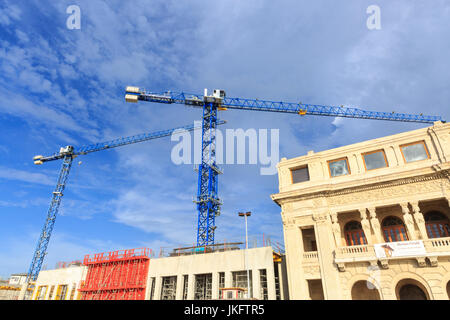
(266, 271)
(193, 273)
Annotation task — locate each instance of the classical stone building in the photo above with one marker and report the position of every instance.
(369, 220)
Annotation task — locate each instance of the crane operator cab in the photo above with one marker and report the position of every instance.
(216, 97)
(66, 150)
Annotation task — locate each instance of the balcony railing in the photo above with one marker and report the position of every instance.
(310, 256)
(364, 251)
(437, 245)
(433, 247)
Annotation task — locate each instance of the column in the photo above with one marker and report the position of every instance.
(158, 288)
(298, 290)
(256, 280)
(271, 291)
(191, 287)
(420, 221)
(336, 229)
(180, 283)
(215, 286)
(325, 249)
(366, 225)
(409, 223)
(375, 225)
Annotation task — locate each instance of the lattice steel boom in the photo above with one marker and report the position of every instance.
(208, 203)
(67, 154)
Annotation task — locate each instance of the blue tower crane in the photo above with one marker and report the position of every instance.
(67, 154)
(208, 203)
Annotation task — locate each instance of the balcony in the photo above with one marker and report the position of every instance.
(434, 248)
(310, 257)
(438, 246)
(355, 253)
(310, 264)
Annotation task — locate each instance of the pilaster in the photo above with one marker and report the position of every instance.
(420, 221)
(366, 225)
(325, 246)
(375, 223)
(409, 223)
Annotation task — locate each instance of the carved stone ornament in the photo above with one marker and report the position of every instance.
(383, 191)
(320, 217)
(421, 262)
(433, 261)
(384, 263)
(312, 269)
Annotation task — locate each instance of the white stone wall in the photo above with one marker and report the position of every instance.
(227, 262)
(71, 277)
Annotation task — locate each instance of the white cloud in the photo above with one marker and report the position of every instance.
(25, 176)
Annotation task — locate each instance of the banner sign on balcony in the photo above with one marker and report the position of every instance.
(399, 249)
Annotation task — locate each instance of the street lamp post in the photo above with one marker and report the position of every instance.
(245, 215)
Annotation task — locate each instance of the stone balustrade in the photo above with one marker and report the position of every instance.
(310, 256)
(362, 251)
(437, 245)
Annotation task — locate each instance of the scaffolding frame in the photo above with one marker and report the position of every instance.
(116, 275)
(169, 288)
(203, 286)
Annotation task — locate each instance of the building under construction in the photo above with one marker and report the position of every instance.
(190, 273)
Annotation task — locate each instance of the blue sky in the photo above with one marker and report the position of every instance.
(61, 86)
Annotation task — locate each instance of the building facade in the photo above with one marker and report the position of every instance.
(369, 220)
(59, 284)
(203, 276)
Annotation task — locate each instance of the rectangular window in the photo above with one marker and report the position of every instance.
(61, 292)
(300, 174)
(375, 160)
(40, 295)
(264, 294)
(203, 286)
(414, 151)
(221, 282)
(315, 289)
(152, 288)
(309, 240)
(338, 167)
(240, 279)
(185, 286)
(50, 295)
(72, 292)
(169, 288)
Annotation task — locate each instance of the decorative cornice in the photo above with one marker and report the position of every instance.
(293, 195)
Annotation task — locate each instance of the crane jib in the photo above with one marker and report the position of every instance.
(287, 107)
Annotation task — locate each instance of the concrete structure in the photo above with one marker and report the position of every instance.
(11, 289)
(369, 220)
(201, 276)
(59, 284)
(187, 276)
(17, 279)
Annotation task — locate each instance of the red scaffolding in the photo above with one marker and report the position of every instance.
(116, 275)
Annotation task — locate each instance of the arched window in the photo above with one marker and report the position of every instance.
(394, 230)
(437, 225)
(364, 290)
(354, 234)
(409, 289)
